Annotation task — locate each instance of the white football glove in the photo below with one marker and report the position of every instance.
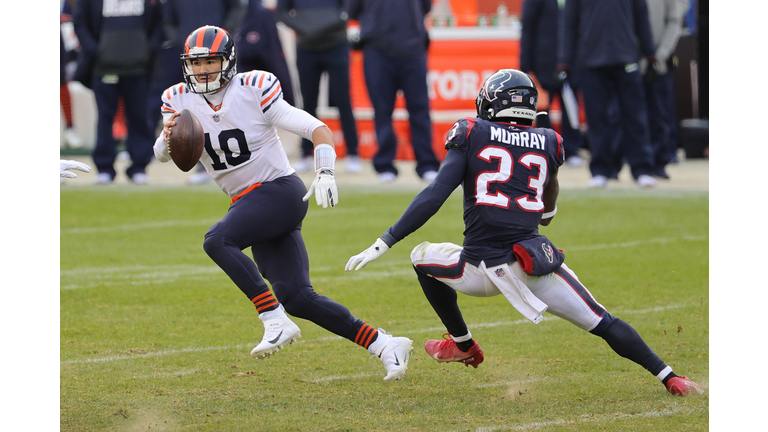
(324, 188)
(362, 259)
(324, 185)
(65, 165)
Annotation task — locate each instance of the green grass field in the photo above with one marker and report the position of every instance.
(154, 336)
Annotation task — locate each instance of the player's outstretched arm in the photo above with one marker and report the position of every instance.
(363, 258)
(550, 200)
(324, 186)
(65, 165)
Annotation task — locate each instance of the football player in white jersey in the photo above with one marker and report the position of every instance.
(244, 156)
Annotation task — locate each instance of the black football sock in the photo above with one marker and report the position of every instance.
(466, 345)
(671, 375)
(626, 342)
(444, 301)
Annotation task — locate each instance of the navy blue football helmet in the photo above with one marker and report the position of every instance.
(509, 94)
(209, 41)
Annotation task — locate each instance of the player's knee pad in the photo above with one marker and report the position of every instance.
(435, 254)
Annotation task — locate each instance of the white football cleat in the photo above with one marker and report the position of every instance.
(72, 139)
(598, 182)
(395, 355)
(198, 178)
(103, 179)
(387, 177)
(278, 332)
(353, 164)
(645, 181)
(140, 179)
(429, 176)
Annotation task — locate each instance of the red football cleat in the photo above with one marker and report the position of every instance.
(682, 386)
(446, 351)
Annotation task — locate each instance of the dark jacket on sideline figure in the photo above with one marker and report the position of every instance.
(538, 40)
(394, 27)
(600, 33)
(122, 41)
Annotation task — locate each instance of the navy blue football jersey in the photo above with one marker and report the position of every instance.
(503, 169)
(508, 166)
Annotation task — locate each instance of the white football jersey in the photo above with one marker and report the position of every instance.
(242, 146)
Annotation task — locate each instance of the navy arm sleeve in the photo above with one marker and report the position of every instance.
(429, 200)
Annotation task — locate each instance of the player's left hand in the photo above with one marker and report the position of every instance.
(362, 259)
(324, 188)
(65, 165)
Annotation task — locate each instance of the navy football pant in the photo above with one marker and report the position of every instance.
(134, 92)
(335, 62)
(602, 88)
(384, 77)
(268, 220)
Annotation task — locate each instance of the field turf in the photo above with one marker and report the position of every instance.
(154, 336)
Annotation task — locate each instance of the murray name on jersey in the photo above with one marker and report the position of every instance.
(518, 138)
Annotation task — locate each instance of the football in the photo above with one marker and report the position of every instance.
(187, 141)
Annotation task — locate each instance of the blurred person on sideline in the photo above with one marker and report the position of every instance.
(71, 138)
(394, 42)
(119, 40)
(259, 47)
(600, 48)
(322, 47)
(538, 57)
(508, 173)
(241, 112)
(666, 18)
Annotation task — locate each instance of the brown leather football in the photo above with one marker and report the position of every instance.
(187, 141)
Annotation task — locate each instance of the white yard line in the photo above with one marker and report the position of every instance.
(329, 338)
(91, 277)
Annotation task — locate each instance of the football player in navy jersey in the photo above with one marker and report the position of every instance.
(239, 113)
(508, 171)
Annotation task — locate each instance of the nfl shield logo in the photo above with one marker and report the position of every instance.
(216, 118)
(500, 272)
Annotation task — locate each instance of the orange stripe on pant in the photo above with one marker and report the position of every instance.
(264, 301)
(365, 335)
(241, 194)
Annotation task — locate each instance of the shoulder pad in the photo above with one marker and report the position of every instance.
(256, 78)
(459, 133)
(174, 90)
(265, 84)
(560, 151)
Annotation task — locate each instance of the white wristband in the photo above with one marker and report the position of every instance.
(325, 157)
(549, 214)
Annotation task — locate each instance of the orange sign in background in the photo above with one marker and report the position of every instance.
(455, 71)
